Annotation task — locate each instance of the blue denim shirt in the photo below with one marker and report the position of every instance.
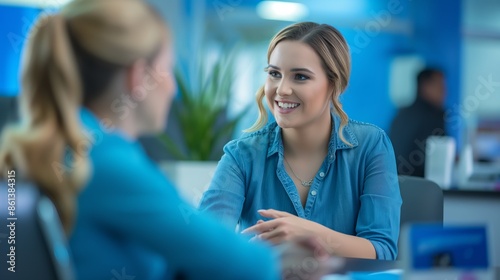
(355, 191)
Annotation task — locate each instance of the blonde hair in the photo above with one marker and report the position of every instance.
(333, 50)
(48, 145)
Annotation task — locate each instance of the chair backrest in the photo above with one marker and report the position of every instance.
(33, 241)
(8, 110)
(422, 200)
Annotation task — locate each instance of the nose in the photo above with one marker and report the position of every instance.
(284, 88)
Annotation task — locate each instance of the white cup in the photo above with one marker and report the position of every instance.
(439, 160)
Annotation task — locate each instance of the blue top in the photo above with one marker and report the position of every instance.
(355, 191)
(131, 223)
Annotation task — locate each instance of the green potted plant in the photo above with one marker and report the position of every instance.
(201, 114)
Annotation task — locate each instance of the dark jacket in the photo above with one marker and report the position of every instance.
(409, 131)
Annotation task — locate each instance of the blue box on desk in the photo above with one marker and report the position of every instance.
(433, 251)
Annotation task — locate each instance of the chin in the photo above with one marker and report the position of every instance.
(283, 124)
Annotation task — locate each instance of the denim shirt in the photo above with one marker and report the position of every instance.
(355, 191)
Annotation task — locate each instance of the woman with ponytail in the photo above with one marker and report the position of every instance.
(312, 171)
(95, 77)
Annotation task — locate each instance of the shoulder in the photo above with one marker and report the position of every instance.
(369, 136)
(121, 159)
(257, 141)
(409, 112)
(364, 130)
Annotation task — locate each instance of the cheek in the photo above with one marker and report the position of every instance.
(327, 91)
(269, 92)
(169, 88)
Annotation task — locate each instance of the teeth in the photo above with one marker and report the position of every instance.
(287, 105)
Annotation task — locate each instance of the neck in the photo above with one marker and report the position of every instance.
(122, 120)
(309, 140)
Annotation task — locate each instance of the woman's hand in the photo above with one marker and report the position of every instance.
(283, 227)
(286, 227)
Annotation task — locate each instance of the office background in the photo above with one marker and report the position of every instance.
(389, 39)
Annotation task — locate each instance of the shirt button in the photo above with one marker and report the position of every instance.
(322, 174)
(313, 193)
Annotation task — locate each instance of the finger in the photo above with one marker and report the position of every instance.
(276, 240)
(262, 227)
(255, 238)
(273, 236)
(260, 222)
(271, 213)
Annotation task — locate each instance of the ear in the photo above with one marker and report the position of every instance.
(136, 75)
(331, 89)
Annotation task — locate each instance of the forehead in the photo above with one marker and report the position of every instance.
(294, 54)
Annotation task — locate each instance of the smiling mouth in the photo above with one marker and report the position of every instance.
(285, 105)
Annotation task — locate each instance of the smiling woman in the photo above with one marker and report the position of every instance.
(313, 171)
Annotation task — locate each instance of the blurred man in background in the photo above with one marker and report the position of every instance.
(415, 123)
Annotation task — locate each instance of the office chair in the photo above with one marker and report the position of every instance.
(8, 110)
(41, 250)
(422, 200)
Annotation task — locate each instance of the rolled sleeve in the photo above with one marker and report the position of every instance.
(226, 194)
(379, 214)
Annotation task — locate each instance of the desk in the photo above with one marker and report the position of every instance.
(475, 207)
(468, 192)
(366, 265)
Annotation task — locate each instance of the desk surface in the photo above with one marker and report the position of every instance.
(351, 264)
(367, 265)
(472, 192)
(484, 181)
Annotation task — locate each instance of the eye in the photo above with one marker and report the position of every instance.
(301, 77)
(274, 74)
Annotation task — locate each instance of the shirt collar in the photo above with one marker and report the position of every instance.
(89, 120)
(96, 127)
(276, 141)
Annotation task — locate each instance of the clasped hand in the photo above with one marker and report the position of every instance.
(303, 254)
(283, 227)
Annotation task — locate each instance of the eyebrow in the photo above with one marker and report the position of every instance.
(293, 69)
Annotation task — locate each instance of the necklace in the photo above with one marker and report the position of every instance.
(307, 183)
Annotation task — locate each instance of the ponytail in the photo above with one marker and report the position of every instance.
(46, 146)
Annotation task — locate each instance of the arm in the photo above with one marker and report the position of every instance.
(380, 200)
(137, 203)
(226, 194)
(286, 226)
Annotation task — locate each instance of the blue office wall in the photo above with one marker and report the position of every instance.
(367, 97)
(15, 23)
(438, 39)
(435, 36)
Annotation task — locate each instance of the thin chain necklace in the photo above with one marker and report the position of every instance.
(307, 183)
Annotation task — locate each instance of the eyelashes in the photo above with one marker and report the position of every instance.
(297, 77)
(301, 77)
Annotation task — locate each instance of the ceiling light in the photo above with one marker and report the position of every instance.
(277, 10)
(35, 3)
